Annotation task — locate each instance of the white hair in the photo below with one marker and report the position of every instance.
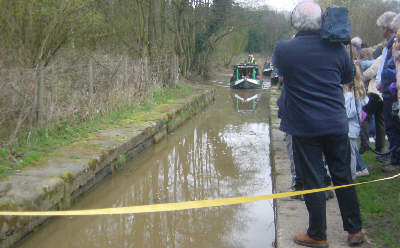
(385, 20)
(356, 41)
(395, 25)
(307, 15)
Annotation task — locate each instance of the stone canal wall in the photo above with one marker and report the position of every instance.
(63, 175)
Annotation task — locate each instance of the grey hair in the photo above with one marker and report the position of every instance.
(395, 22)
(356, 41)
(385, 20)
(307, 15)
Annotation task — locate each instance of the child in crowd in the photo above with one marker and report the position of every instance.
(353, 108)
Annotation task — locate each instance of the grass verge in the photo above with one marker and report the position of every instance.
(380, 205)
(33, 146)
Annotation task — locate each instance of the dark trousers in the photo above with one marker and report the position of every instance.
(374, 108)
(307, 154)
(392, 128)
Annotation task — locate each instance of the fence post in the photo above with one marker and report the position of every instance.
(142, 76)
(90, 79)
(146, 71)
(126, 75)
(40, 94)
(176, 78)
(177, 67)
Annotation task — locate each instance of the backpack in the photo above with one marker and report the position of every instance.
(336, 25)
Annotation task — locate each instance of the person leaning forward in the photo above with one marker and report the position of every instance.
(313, 71)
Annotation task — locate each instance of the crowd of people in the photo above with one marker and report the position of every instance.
(330, 97)
(378, 67)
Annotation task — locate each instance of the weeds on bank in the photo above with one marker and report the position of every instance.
(33, 146)
(380, 205)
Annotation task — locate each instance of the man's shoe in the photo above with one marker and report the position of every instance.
(356, 239)
(383, 158)
(305, 240)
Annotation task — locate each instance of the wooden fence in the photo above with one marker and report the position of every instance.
(43, 97)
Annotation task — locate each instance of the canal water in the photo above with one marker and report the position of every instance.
(221, 152)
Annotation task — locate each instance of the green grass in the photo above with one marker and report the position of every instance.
(380, 205)
(34, 145)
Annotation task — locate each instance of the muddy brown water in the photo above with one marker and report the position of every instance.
(221, 152)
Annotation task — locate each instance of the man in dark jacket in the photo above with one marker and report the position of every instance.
(388, 76)
(313, 71)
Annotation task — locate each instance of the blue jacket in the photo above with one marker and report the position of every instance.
(281, 110)
(389, 71)
(351, 110)
(313, 71)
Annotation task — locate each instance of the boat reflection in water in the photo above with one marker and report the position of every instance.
(245, 100)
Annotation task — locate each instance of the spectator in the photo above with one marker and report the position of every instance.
(313, 71)
(357, 42)
(388, 76)
(366, 58)
(374, 108)
(353, 109)
(396, 54)
(367, 53)
(384, 23)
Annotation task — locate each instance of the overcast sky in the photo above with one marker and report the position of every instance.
(282, 4)
(275, 4)
(287, 5)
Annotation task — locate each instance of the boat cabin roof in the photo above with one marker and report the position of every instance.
(245, 66)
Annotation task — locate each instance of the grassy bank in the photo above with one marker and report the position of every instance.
(380, 205)
(33, 146)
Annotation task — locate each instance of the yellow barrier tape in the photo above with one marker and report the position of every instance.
(164, 207)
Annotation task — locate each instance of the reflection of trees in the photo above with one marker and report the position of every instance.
(201, 162)
(185, 172)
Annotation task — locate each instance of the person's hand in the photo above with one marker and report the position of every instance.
(398, 106)
(396, 51)
(378, 87)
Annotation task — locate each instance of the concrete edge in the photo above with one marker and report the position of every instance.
(58, 181)
(273, 167)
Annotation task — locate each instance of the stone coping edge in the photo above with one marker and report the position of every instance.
(272, 146)
(68, 172)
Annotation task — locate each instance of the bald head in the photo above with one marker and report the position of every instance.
(307, 16)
